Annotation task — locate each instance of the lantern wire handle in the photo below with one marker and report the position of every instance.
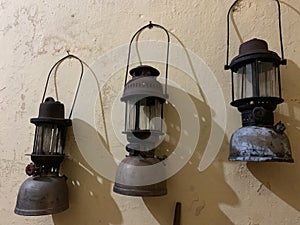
(283, 61)
(150, 26)
(79, 82)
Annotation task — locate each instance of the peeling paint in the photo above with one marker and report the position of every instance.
(264, 190)
(199, 209)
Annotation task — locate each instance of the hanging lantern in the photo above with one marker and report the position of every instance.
(256, 92)
(144, 97)
(46, 192)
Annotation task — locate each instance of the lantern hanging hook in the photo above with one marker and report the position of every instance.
(283, 61)
(79, 82)
(150, 26)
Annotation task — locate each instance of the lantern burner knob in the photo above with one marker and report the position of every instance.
(259, 113)
(30, 169)
(279, 127)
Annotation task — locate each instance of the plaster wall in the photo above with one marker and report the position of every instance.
(35, 34)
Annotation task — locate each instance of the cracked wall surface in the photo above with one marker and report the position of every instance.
(35, 34)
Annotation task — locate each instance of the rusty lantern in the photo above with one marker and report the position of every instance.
(46, 192)
(256, 92)
(144, 97)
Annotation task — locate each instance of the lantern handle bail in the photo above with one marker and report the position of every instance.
(283, 61)
(79, 82)
(150, 26)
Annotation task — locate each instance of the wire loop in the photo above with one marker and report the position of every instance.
(283, 61)
(150, 26)
(79, 82)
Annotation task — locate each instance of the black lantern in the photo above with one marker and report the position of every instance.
(46, 192)
(144, 97)
(256, 92)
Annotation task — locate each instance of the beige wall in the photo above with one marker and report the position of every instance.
(35, 34)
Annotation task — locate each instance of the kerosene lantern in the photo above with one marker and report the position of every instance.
(45, 191)
(144, 97)
(256, 92)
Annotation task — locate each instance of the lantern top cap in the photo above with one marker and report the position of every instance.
(49, 99)
(252, 50)
(252, 46)
(143, 84)
(144, 70)
(52, 109)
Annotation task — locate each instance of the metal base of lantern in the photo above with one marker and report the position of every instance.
(153, 190)
(260, 144)
(129, 178)
(42, 196)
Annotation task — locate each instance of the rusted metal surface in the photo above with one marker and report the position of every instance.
(131, 179)
(42, 196)
(260, 144)
(258, 140)
(143, 83)
(46, 192)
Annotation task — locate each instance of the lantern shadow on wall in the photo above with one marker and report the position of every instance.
(200, 193)
(89, 193)
(86, 186)
(282, 180)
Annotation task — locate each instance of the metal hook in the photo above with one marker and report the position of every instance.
(150, 25)
(79, 82)
(283, 61)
